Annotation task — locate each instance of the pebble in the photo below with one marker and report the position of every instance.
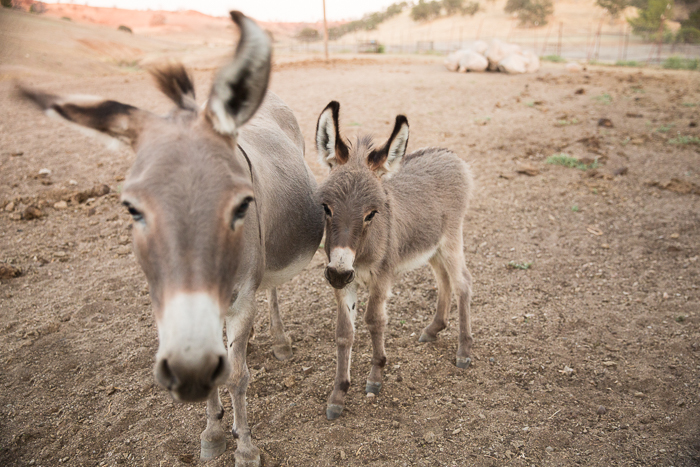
(343, 456)
(371, 397)
(429, 437)
(72, 182)
(665, 295)
(10, 206)
(638, 394)
(601, 410)
(44, 173)
(306, 369)
(492, 360)
(457, 431)
(60, 205)
(289, 381)
(549, 449)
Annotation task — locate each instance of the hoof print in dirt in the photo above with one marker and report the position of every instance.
(9, 272)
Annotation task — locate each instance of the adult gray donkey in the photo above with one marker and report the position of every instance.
(221, 210)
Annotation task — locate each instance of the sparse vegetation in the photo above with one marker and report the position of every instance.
(575, 208)
(613, 7)
(605, 99)
(571, 162)
(665, 128)
(66, 18)
(37, 7)
(125, 29)
(683, 140)
(531, 12)
(651, 17)
(679, 63)
(632, 63)
(553, 58)
(567, 122)
(368, 22)
(308, 35)
(425, 11)
(521, 266)
(6, 3)
(689, 104)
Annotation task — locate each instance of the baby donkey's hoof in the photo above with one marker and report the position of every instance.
(463, 362)
(333, 411)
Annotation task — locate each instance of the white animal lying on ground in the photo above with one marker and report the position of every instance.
(498, 50)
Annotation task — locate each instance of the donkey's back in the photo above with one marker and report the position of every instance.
(285, 190)
(431, 192)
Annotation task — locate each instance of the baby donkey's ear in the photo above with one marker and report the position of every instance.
(388, 158)
(332, 151)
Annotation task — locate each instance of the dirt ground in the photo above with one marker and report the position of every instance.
(606, 315)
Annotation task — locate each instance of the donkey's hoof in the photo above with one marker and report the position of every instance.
(282, 352)
(212, 449)
(240, 461)
(425, 337)
(463, 362)
(333, 411)
(373, 387)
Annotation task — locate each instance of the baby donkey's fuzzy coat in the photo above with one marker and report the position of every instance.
(387, 213)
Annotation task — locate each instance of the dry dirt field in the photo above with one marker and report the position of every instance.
(606, 315)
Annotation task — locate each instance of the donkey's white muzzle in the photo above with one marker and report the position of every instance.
(191, 359)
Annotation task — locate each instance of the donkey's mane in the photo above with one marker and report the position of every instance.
(174, 81)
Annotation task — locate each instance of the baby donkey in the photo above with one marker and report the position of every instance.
(387, 213)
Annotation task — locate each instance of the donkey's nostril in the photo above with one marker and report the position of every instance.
(350, 277)
(327, 273)
(164, 374)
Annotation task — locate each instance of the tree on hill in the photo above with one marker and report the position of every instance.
(650, 20)
(425, 11)
(308, 35)
(614, 7)
(531, 12)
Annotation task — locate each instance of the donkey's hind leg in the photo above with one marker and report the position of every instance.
(442, 314)
(281, 344)
(461, 280)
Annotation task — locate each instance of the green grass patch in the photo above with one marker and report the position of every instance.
(689, 104)
(678, 63)
(521, 266)
(665, 128)
(632, 63)
(553, 58)
(683, 140)
(571, 162)
(575, 208)
(605, 99)
(565, 122)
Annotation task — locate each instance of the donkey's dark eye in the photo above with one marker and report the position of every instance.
(328, 210)
(240, 212)
(135, 213)
(369, 216)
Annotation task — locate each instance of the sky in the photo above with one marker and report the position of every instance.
(263, 10)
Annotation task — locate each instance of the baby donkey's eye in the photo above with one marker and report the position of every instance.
(328, 211)
(370, 216)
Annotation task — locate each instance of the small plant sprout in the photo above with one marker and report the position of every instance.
(605, 99)
(575, 208)
(521, 266)
(684, 140)
(571, 162)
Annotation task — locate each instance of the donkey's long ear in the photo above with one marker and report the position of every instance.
(388, 158)
(112, 118)
(332, 151)
(240, 86)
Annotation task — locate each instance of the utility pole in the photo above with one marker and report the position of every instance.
(325, 30)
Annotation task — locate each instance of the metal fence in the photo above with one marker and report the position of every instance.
(593, 46)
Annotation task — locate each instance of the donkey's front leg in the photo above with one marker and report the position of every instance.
(213, 438)
(281, 344)
(376, 320)
(344, 335)
(238, 326)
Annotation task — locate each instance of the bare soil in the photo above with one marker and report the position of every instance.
(605, 315)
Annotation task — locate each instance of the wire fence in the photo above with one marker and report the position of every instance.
(596, 45)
